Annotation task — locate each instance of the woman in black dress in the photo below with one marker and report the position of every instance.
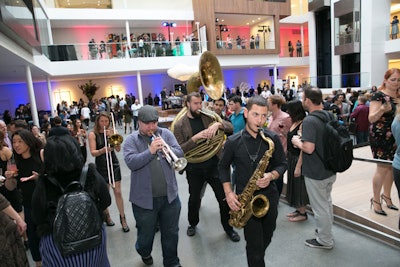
(382, 111)
(296, 193)
(98, 149)
(29, 166)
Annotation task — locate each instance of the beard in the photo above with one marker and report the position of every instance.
(195, 114)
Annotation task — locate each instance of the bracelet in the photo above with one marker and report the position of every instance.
(273, 176)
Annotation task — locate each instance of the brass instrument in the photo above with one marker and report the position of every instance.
(177, 163)
(211, 78)
(115, 140)
(111, 141)
(249, 204)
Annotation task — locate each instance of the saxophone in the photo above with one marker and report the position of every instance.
(253, 205)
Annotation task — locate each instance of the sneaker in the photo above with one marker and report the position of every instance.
(148, 260)
(234, 236)
(313, 243)
(191, 231)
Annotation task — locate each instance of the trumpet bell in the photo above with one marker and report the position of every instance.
(180, 164)
(115, 140)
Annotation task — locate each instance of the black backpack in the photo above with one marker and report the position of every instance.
(338, 145)
(77, 226)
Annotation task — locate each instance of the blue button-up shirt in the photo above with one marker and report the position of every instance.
(137, 157)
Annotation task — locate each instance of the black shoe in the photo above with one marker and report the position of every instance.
(191, 231)
(148, 260)
(313, 243)
(234, 236)
(125, 227)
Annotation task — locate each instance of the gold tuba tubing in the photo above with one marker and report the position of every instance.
(211, 77)
(257, 205)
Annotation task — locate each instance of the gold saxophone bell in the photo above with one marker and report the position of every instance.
(115, 140)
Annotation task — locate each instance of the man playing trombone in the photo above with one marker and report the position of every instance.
(195, 127)
(151, 153)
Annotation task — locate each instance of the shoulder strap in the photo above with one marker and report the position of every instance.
(84, 175)
(55, 182)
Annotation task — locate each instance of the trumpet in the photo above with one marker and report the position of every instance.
(177, 163)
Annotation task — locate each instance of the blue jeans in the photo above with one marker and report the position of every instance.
(167, 215)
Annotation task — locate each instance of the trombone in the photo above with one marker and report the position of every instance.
(177, 163)
(111, 141)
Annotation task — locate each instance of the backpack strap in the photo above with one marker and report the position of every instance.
(83, 176)
(55, 182)
(324, 116)
(82, 180)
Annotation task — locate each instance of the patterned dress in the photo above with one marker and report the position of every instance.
(380, 135)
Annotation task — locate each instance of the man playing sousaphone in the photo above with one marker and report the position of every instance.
(194, 131)
(259, 159)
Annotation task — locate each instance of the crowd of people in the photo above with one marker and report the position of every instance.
(141, 45)
(267, 135)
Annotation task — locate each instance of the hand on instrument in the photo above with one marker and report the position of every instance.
(156, 145)
(232, 200)
(265, 180)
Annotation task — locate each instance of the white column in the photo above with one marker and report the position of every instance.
(275, 77)
(140, 89)
(51, 97)
(312, 48)
(29, 82)
(128, 39)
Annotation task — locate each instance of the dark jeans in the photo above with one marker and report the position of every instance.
(167, 215)
(196, 179)
(135, 122)
(258, 231)
(362, 137)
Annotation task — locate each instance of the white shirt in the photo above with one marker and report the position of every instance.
(85, 112)
(135, 109)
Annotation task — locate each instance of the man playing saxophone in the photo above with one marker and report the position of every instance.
(195, 127)
(248, 150)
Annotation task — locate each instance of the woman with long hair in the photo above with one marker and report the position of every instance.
(63, 161)
(99, 147)
(29, 165)
(296, 192)
(382, 110)
(79, 132)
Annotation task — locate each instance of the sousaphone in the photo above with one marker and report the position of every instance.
(211, 78)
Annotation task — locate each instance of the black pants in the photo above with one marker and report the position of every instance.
(196, 178)
(258, 231)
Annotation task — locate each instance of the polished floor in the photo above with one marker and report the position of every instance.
(211, 247)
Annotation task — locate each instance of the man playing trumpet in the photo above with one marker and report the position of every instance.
(154, 189)
(191, 129)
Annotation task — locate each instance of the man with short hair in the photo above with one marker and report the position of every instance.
(237, 118)
(58, 129)
(319, 180)
(219, 108)
(246, 149)
(135, 111)
(154, 189)
(189, 130)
